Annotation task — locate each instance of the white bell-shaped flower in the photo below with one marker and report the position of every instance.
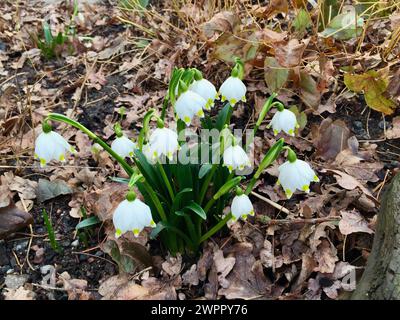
(163, 141)
(241, 207)
(188, 105)
(235, 158)
(294, 175)
(132, 215)
(206, 90)
(233, 90)
(284, 120)
(123, 146)
(50, 145)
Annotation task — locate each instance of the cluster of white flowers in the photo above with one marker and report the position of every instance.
(134, 215)
(201, 95)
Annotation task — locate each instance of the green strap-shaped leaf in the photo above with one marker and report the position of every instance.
(87, 222)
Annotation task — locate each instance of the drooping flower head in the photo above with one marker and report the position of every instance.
(123, 146)
(162, 141)
(206, 90)
(132, 215)
(188, 105)
(233, 90)
(241, 206)
(295, 174)
(49, 145)
(284, 120)
(235, 158)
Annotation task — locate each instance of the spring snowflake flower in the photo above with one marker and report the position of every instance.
(123, 146)
(132, 215)
(235, 158)
(233, 90)
(50, 145)
(241, 207)
(188, 105)
(296, 174)
(284, 120)
(163, 141)
(206, 90)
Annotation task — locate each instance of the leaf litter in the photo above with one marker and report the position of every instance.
(338, 95)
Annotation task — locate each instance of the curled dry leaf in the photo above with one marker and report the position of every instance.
(353, 221)
(13, 219)
(173, 265)
(191, 276)
(289, 53)
(222, 22)
(330, 138)
(326, 257)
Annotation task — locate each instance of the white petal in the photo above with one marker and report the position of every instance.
(233, 90)
(296, 175)
(188, 105)
(206, 90)
(51, 145)
(288, 121)
(235, 158)
(163, 141)
(123, 146)
(241, 207)
(132, 216)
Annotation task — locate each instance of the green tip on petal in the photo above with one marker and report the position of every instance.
(305, 188)
(232, 101)
(288, 193)
(251, 213)
(135, 232)
(244, 216)
(291, 132)
(276, 132)
(316, 179)
(42, 162)
(152, 224)
(118, 233)
(186, 119)
(223, 98)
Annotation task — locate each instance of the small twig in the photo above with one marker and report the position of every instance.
(30, 239)
(300, 221)
(382, 184)
(272, 203)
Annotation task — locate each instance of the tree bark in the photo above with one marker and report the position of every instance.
(381, 278)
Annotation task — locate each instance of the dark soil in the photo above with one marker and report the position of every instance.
(92, 265)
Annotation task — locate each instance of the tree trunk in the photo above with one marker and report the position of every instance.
(381, 278)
